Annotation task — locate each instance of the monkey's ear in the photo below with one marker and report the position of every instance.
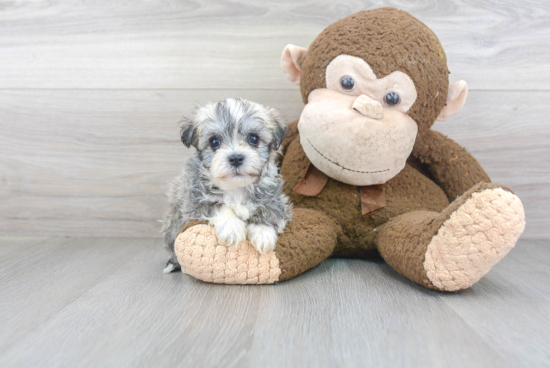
(188, 133)
(456, 97)
(291, 61)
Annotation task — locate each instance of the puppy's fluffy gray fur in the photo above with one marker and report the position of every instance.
(241, 202)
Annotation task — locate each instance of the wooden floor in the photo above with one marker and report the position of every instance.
(90, 302)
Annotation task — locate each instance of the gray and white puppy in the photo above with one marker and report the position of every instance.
(232, 181)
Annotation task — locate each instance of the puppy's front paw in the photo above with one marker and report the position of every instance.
(262, 237)
(230, 230)
(231, 234)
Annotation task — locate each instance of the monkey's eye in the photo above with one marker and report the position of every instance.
(392, 99)
(253, 139)
(215, 143)
(347, 83)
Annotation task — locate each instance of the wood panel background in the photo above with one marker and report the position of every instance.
(91, 94)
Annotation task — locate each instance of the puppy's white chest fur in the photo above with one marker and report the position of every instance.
(237, 200)
(230, 222)
(230, 219)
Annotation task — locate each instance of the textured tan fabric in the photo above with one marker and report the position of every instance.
(191, 224)
(202, 257)
(474, 239)
(350, 147)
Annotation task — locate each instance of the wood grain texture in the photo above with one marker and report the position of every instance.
(521, 284)
(97, 162)
(10, 243)
(225, 44)
(348, 313)
(38, 280)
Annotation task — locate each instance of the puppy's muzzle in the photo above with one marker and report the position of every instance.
(236, 160)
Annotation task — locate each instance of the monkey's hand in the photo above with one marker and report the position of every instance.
(262, 237)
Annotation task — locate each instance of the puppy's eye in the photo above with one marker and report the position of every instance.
(215, 143)
(347, 83)
(392, 99)
(253, 139)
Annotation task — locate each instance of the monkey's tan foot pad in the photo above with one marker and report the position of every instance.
(203, 257)
(476, 236)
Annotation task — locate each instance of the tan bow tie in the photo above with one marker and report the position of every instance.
(372, 196)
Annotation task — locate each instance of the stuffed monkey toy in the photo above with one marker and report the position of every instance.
(365, 171)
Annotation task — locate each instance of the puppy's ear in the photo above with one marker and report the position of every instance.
(279, 128)
(189, 133)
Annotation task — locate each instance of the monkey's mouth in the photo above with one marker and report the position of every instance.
(343, 167)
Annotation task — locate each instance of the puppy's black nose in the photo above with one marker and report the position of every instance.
(236, 160)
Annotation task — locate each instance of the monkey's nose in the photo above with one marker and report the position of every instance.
(368, 107)
(236, 160)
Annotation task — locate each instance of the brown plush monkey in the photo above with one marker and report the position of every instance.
(365, 171)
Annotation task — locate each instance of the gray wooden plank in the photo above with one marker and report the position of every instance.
(131, 317)
(38, 281)
(7, 241)
(510, 307)
(344, 313)
(359, 313)
(237, 44)
(97, 162)
(11, 243)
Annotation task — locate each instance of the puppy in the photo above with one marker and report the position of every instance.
(232, 181)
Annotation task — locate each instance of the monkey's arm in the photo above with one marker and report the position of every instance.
(452, 167)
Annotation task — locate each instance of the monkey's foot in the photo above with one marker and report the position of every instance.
(474, 238)
(202, 256)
